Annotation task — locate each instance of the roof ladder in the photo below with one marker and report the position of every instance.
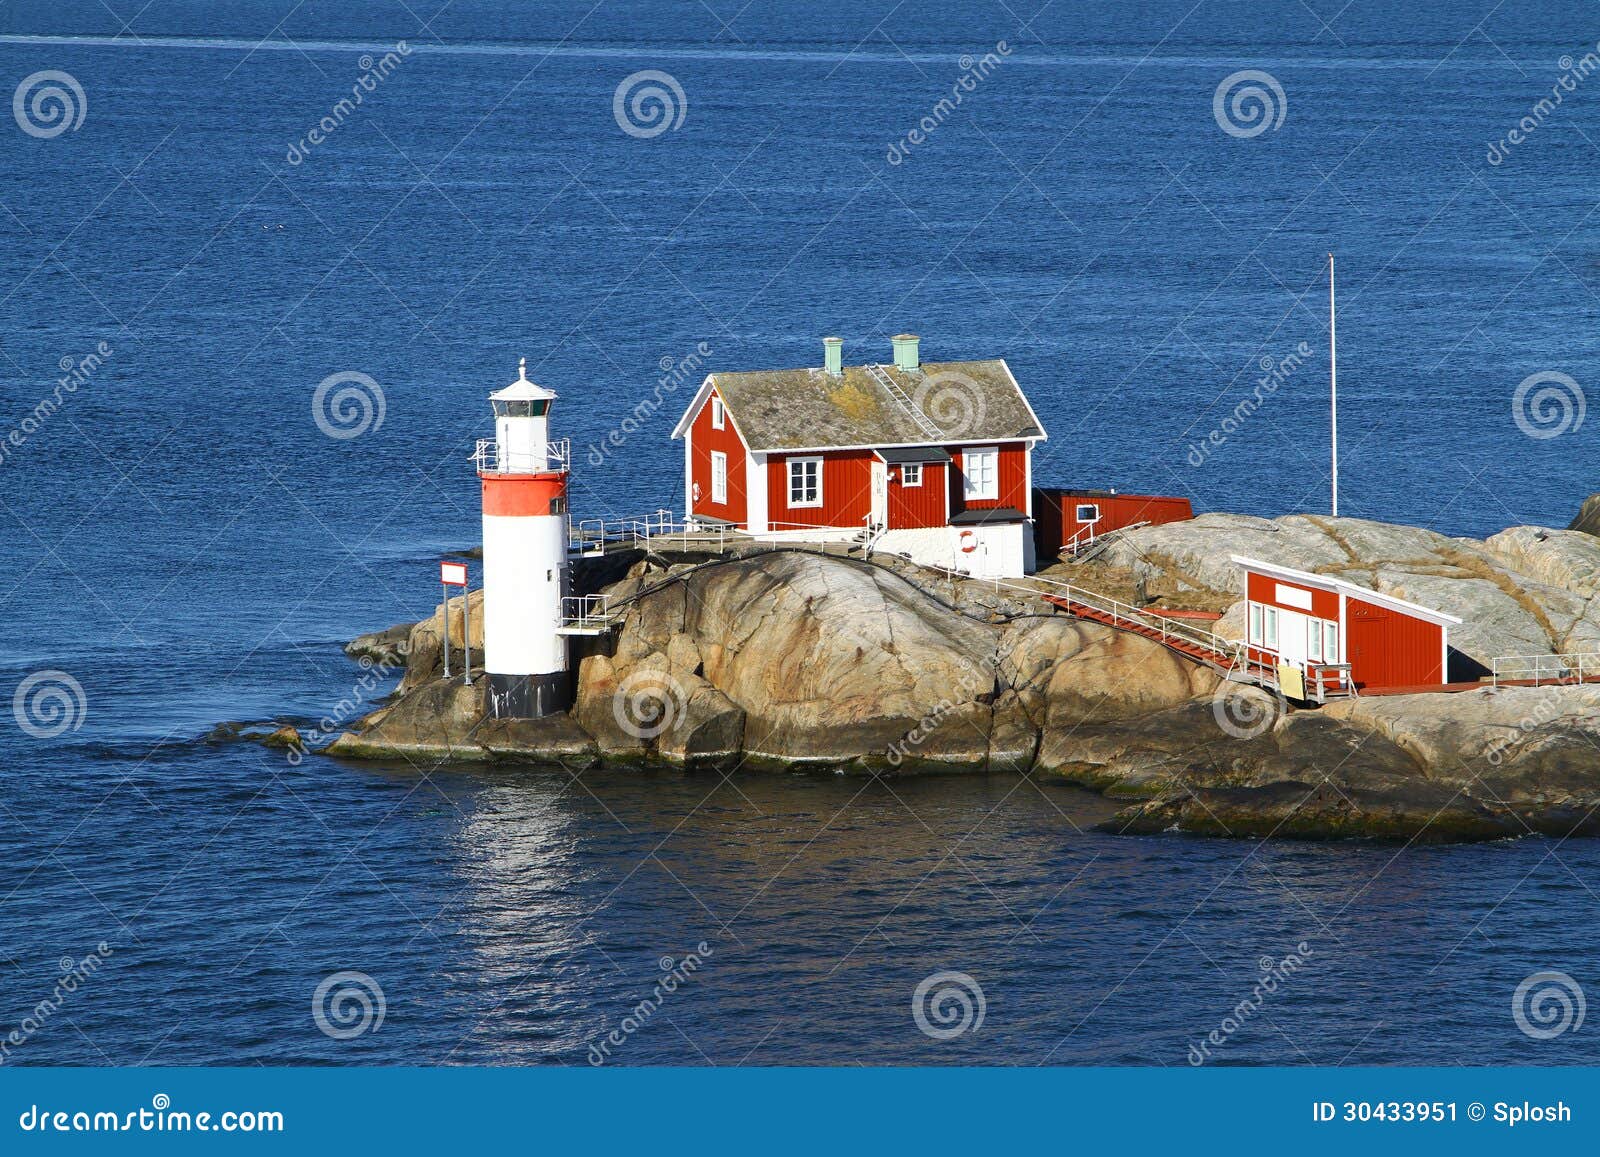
(887, 382)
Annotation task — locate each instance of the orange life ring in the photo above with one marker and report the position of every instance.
(969, 542)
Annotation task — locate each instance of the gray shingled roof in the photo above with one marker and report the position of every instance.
(808, 409)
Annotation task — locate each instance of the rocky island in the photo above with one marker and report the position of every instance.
(758, 658)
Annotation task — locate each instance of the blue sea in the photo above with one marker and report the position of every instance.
(204, 227)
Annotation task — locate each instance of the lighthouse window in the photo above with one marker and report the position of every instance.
(805, 482)
(719, 476)
(522, 409)
(717, 416)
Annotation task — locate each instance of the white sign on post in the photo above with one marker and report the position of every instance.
(453, 574)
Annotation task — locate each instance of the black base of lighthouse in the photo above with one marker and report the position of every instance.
(529, 696)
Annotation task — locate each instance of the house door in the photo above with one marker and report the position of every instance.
(880, 494)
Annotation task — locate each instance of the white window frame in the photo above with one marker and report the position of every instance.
(790, 473)
(911, 474)
(1082, 506)
(719, 414)
(990, 492)
(719, 477)
(1313, 640)
(1269, 628)
(1330, 641)
(1255, 616)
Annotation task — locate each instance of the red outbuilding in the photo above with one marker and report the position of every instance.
(1075, 519)
(1323, 635)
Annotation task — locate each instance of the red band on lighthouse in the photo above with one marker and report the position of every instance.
(524, 494)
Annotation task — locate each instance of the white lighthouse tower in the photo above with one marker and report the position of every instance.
(525, 536)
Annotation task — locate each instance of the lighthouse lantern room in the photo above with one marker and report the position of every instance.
(525, 535)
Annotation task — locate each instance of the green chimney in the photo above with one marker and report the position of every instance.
(905, 351)
(833, 355)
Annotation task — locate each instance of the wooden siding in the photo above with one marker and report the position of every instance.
(703, 440)
(846, 491)
(1389, 648)
(1013, 480)
(1264, 589)
(918, 506)
(1056, 522)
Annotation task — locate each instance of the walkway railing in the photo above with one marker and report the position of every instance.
(492, 458)
(592, 536)
(1539, 670)
(586, 612)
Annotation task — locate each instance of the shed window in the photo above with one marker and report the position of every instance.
(1088, 512)
(1330, 642)
(1255, 624)
(982, 470)
(805, 482)
(911, 474)
(718, 417)
(1269, 632)
(719, 476)
(1314, 640)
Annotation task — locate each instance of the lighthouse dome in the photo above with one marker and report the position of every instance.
(522, 390)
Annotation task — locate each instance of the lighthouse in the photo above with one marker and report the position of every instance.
(524, 477)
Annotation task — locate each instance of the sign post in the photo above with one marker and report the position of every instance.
(454, 574)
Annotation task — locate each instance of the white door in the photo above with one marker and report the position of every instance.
(1292, 626)
(880, 494)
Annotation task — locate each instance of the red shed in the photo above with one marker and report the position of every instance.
(1076, 518)
(1316, 629)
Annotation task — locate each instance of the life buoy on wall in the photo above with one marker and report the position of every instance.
(968, 542)
(697, 492)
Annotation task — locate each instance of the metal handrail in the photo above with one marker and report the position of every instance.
(1542, 669)
(490, 459)
(585, 611)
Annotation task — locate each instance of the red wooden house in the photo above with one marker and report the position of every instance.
(1309, 626)
(931, 460)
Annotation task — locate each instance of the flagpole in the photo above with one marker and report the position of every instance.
(1333, 384)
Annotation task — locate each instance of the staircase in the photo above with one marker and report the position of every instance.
(1214, 651)
(1086, 546)
(886, 380)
